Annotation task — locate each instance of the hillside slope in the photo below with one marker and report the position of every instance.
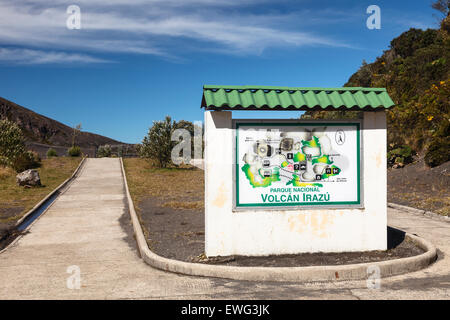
(416, 72)
(41, 129)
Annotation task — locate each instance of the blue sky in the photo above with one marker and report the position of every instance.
(135, 61)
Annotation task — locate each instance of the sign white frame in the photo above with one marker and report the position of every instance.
(294, 122)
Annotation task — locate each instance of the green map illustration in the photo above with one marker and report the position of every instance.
(288, 160)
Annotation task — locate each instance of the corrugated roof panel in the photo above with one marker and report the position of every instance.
(247, 98)
(260, 99)
(311, 99)
(298, 98)
(323, 99)
(348, 98)
(272, 99)
(234, 97)
(360, 99)
(283, 98)
(336, 99)
(373, 98)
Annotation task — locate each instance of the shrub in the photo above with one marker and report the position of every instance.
(27, 160)
(158, 144)
(400, 155)
(438, 152)
(12, 142)
(5, 172)
(51, 153)
(74, 151)
(104, 151)
(4, 162)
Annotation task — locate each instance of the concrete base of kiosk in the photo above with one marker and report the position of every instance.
(263, 232)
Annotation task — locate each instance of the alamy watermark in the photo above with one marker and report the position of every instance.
(74, 19)
(374, 20)
(182, 151)
(184, 147)
(373, 277)
(73, 282)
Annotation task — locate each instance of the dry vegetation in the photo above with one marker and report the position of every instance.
(178, 187)
(439, 204)
(19, 199)
(421, 187)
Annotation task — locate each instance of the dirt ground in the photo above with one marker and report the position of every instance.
(7, 225)
(173, 218)
(173, 233)
(419, 186)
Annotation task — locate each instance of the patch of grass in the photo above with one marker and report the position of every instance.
(189, 234)
(191, 205)
(444, 211)
(178, 187)
(5, 173)
(438, 203)
(52, 173)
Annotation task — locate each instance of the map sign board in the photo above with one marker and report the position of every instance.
(297, 164)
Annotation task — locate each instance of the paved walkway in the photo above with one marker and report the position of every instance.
(89, 227)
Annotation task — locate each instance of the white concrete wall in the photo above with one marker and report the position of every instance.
(259, 232)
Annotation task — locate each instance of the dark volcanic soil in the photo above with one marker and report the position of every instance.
(173, 233)
(6, 218)
(421, 187)
(7, 224)
(179, 234)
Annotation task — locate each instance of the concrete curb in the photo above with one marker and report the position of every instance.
(300, 274)
(420, 212)
(40, 203)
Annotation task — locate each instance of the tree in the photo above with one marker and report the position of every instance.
(158, 144)
(12, 142)
(442, 6)
(364, 74)
(76, 131)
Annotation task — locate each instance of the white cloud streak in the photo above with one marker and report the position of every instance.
(148, 27)
(29, 56)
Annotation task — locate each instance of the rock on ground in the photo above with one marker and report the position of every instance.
(28, 178)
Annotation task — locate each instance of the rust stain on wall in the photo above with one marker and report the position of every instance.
(317, 224)
(221, 197)
(378, 160)
(298, 223)
(324, 221)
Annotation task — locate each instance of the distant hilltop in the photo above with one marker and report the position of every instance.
(43, 130)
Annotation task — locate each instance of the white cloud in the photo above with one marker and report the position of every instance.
(152, 27)
(29, 56)
(416, 24)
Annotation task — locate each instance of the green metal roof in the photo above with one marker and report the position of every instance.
(292, 98)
